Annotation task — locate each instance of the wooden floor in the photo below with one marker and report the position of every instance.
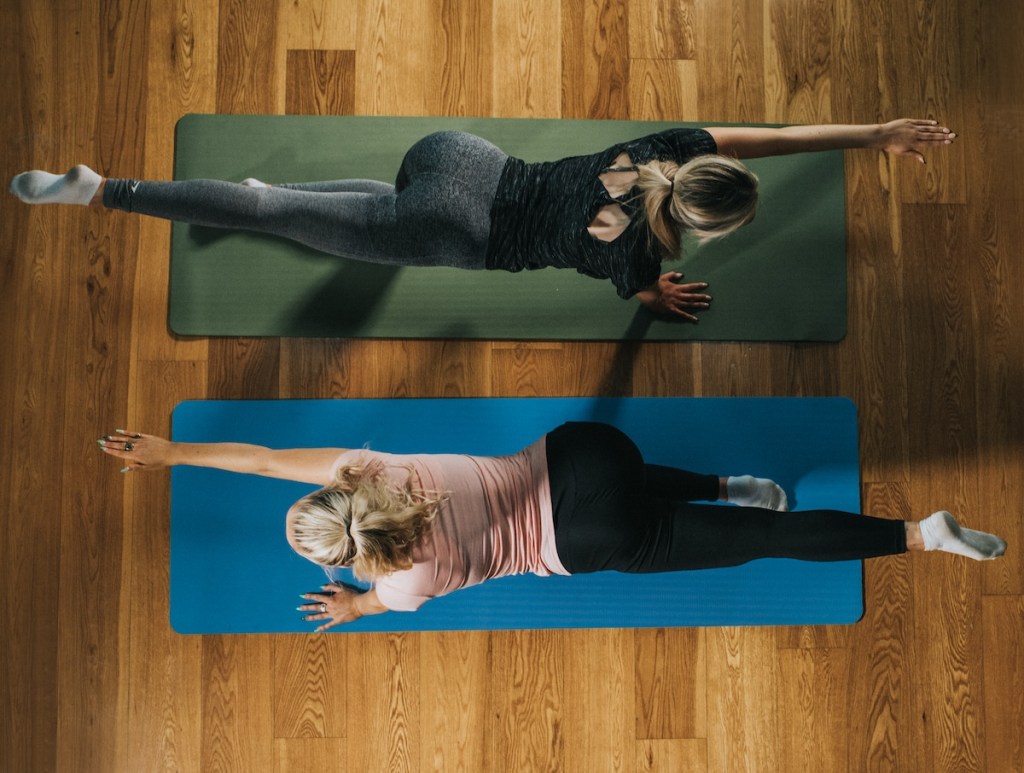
(930, 680)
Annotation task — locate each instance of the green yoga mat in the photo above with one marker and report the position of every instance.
(782, 278)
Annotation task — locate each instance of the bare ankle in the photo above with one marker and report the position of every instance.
(914, 539)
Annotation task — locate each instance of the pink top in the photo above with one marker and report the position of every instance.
(496, 521)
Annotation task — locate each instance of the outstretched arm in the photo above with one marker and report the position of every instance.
(149, 452)
(903, 137)
(667, 296)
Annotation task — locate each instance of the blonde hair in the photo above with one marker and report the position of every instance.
(362, 520)
(709, 195)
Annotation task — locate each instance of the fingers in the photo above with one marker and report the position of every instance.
(319, 610)
(693, 287)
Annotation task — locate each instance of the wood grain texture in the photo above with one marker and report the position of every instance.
(886, 730)
(1003, 621)
(661, 29)
(527, 60)
(317, 25)
(670, 700)
(398, 62)
(926, 37)
(729, 45)
(813, 697)
(527, 685)
(456, 669)
(309, 755)
(181, 63)
(595, 62)
(928, 680)
(164, 727)
(384, 671)
(663, 88)
(663, 756)
(598, 740)
(320, 83)
(742, 682)
(237, 716)
(310, 692)
(797, 62)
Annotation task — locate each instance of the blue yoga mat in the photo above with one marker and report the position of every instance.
(227, 530)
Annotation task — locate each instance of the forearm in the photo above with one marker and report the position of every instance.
(760, 142)
(233, 457)
(368, 604)
(808, 139)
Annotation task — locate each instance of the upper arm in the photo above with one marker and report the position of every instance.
(745, 141)
(305, 465)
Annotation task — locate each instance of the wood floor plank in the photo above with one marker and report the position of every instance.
(660, 29)
(247, 53)
(885, 727)
(1003, 621)
(813, 684)
(34, 289)
(595, 59)
(600, 740)
(398, 52)
(742, 683)
(798, 52)
(527, 59)
(237, 701)
(926, 36)
(320, 82)
(728, 49)
(384, 671)
(309, 755)
(663, 88)
(670, 674)
(466, 58)
(310, 690)
(666, 756)
(164, 727)
(181, 61)
(318, 25)
(93, 648)
(456, 673)
(526, 700)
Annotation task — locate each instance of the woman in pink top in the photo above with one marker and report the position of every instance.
(580, 499)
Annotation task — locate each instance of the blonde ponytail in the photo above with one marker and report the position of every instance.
(362, 520)
(709, 195)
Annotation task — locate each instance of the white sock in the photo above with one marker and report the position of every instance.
(252, 182)
(940, 531)
(78, 186)
(749, 491)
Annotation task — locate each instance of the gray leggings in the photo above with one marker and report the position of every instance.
(436, 214)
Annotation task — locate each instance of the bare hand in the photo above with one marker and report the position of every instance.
(337, 604)
(909, 136)
(674, 298)
(140, 452)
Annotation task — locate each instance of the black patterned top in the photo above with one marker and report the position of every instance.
(541, 213)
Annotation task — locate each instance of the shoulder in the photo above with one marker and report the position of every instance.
(678, 144)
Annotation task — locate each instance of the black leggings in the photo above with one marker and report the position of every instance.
(613, 511)
(437, 214)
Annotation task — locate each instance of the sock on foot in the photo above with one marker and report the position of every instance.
(749, 491)
(252, 182)
(940, 531)
(78, 186)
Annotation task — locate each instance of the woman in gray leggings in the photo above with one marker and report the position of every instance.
(460, 201)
